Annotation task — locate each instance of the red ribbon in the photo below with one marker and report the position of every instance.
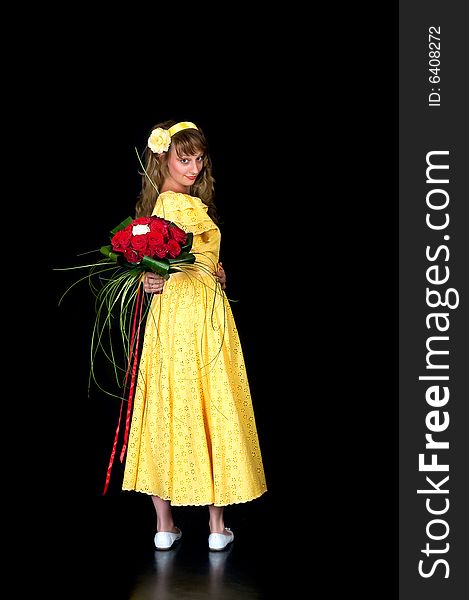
(132, 365)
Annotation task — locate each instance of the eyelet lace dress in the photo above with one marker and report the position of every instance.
(193, 438)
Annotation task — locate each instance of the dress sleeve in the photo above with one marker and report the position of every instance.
(187, 212)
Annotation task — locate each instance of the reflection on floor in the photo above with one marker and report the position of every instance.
(109, 554)
(175, 575)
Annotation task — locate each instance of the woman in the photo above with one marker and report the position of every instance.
(193, 438)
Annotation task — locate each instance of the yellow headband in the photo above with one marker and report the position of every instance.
(180, 126)
(160, 139)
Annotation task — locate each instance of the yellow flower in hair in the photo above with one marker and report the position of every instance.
(159, 140)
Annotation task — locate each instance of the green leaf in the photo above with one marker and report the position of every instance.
(188, 245)
(122, 225)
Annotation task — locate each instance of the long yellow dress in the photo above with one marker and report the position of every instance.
(193, 437)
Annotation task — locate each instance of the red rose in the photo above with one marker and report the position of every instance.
(121, 240)
(141, 221)
(173, 248)
(132, 256)
(161, 251)
(155, 239)
(178, 234)
(139, 243)
(159, 225)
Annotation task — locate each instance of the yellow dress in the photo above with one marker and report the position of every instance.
(193, 437)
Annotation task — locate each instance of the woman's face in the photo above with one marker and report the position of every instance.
(183, 170)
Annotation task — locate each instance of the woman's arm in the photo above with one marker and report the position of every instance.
(154, 283)
(221, 275)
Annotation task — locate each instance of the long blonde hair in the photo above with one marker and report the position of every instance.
(186, 142)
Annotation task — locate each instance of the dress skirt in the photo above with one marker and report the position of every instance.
(193, 437)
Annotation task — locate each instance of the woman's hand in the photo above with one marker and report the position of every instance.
(153, 283)
(220, 275)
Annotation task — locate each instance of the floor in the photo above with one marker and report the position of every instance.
(109, 554)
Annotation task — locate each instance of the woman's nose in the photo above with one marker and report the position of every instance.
(195, 167)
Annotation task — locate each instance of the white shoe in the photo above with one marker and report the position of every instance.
(164, 540)
(219, 541)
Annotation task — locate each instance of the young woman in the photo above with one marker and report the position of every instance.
(193, 437)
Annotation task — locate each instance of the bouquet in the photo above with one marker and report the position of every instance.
(136, 246)
(150, 243)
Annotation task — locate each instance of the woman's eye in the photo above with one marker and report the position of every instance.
(184, 161)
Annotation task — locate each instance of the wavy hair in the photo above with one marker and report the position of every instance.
(186, 142)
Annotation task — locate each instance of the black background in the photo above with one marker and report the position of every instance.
(303, 137)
